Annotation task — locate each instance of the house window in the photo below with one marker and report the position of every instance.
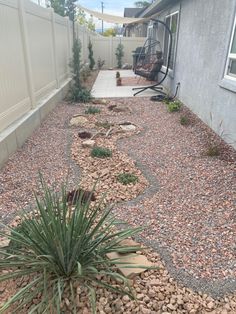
(171, 21)
(230, 70)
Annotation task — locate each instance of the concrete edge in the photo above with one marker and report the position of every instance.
(14, 136)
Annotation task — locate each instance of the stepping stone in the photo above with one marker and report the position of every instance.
(132, 260)
(128, 127)
(88, 144)
(78, 121)
(130, 242)
(4, 242)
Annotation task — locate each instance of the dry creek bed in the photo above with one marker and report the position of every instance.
(156, 291)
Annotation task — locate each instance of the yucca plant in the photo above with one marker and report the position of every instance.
(58, 246)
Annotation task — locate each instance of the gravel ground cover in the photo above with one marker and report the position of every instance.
(188, 208)
(194, 208)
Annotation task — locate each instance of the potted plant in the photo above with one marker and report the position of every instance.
(118, 81)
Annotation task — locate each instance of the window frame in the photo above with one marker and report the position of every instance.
(231, 56)
(177, 31)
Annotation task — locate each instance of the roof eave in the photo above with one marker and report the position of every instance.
(156, 7)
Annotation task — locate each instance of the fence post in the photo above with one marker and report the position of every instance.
(54, 47)
(26, 52)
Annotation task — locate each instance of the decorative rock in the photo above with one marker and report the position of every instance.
(126, 298)
(144, 310)
(128, 128)
(210, 305)
(131, 260)
(140, 296)
(104, 172)
(78, 121)
(171, 307)
(88, 144)
(130, 242)
(152, 293)
(4, 242)
(155, 282)
(98, 101)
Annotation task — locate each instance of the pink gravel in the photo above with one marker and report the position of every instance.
(45, 151)
(192, 215)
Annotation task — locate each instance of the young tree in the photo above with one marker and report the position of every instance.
(91, 58)
(76, 63)
(119, 55)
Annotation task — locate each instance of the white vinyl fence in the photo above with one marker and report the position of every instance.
(35, 50)
(105, 47)
(34, 56)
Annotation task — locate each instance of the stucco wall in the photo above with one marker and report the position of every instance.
(203, 40)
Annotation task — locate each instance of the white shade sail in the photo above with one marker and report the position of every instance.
(114, 18)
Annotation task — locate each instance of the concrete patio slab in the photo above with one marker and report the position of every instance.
(105, 85)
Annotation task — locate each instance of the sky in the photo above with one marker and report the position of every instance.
(114, 7)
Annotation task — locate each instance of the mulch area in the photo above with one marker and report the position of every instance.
(137, 80)
(192, 215)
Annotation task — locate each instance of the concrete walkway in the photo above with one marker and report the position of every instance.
(105, 85)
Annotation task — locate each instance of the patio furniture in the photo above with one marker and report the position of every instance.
(150, 61)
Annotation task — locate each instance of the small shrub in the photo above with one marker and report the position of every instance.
(101, 152)
(58, 249)
(85, 72)
(100, 63)
(184, 120)
(92, 110)
(75, 63)
(119, 55)
(117, 74)
(119, 81)
(91, 58)
(213, 150)
(174, 106)
(127, 178)
(79, 94)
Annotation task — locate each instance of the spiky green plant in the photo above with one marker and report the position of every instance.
(58, 247)
(91, 58)
(174, 106)
(127, 178)
(92, 110)
(79, 94)
(101, 152)
(184, 120)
